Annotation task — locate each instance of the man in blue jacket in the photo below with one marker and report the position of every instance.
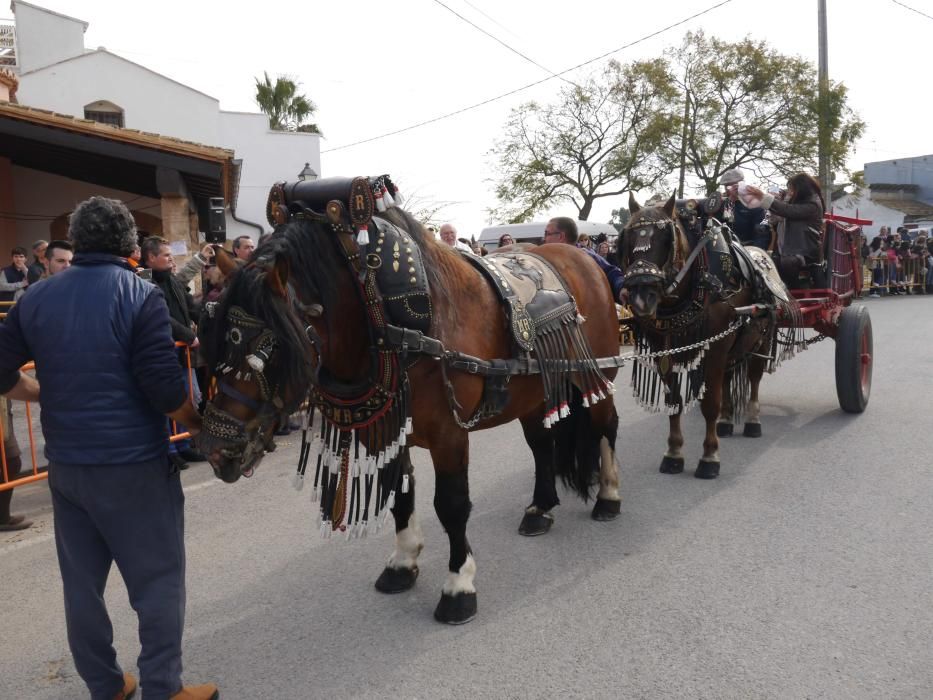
(106, 363)
(563, 229)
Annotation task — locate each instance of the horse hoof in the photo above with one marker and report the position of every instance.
(724, 429)
(707, 470)
(396, 580)
(672, 465)
(456, 609)
(605, 510)
(752, 430)
(534, 524)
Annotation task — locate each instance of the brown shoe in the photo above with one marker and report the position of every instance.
(129, 687)
(208, 691)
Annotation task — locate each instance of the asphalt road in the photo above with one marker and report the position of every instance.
(804, 571)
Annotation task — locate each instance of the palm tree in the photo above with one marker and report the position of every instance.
(287, 109)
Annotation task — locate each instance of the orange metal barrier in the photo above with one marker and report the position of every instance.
(35, 475)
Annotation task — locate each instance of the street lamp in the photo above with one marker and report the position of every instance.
(307, 174)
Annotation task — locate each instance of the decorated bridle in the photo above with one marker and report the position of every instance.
(250, 349)
(676, 268)
(642, 271)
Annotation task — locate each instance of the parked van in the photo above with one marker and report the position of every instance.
(534, 232)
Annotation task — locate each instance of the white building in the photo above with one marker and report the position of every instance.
(155, 143)
(898, 193)
(888, 205)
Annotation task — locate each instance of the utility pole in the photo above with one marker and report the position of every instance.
(683, 145)
(825, 177)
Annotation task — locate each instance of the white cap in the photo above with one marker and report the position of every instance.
(731, 176)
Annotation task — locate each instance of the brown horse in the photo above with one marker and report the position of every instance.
(304, 315)
(684, 288)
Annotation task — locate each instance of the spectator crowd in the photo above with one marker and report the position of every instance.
(899, 263)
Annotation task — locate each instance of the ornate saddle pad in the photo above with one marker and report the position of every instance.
(758, 268)
(534, 294)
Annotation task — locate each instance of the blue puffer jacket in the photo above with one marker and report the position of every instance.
(105, 362)
(613, 273)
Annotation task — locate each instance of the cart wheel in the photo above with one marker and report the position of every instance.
(853, 359)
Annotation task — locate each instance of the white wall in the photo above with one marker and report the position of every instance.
(43, 38)
(37, 192)
(863, 207)
(150, 102)
(268, 156)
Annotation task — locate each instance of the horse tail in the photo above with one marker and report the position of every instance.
(576, 448)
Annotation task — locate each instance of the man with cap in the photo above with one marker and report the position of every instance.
(746, 222)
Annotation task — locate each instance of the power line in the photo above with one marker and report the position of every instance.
(491, 19)
(530, 85)
(502, 43)
(908, 7)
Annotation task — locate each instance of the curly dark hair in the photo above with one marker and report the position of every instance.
(101, 225)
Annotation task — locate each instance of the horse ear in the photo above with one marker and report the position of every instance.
(669, 205)
(277, 277)
(226, 263)
(633, 206)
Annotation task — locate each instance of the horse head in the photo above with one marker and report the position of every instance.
(262, 353)
(652, 249)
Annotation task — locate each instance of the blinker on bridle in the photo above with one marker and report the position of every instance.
(645, 271)
(249, 342)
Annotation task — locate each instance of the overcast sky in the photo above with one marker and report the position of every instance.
(374, 67)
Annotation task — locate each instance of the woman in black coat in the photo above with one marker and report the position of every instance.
(800, 228)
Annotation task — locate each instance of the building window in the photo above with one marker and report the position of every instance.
(104, 112)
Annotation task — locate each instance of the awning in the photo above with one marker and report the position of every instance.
(111, 156)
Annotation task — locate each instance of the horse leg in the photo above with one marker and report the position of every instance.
(401, 569)
(726, 425)
(538, 519)
(708, 467)
(673, 460)
(608, 501)
(452, 503)
(756, 368)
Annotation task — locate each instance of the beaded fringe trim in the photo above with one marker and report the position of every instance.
(687, 384)
(358, 471)
(554, 344)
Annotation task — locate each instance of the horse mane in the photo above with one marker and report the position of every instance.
(248, 289)
(315, 260)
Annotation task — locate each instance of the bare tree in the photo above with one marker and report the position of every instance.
(426, 209)
(600, 139)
